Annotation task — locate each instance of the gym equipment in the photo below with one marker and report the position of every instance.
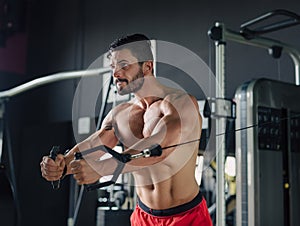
(247, 36)
(268, 154)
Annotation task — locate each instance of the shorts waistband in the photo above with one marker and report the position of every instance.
(174, 210)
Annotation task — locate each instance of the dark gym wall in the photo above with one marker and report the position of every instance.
(70, 34)
(186, 23)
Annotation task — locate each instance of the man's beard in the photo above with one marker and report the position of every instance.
(133, 86)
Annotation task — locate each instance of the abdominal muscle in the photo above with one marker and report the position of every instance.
(173, 191)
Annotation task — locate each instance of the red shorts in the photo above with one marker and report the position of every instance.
(197, 215)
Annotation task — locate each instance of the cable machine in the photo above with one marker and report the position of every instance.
(249, 36)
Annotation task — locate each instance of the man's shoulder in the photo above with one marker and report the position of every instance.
(179, 95)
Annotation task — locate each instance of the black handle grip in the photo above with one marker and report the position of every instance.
(154, 150)
(292, 19)
(78, 155)
(53, 153)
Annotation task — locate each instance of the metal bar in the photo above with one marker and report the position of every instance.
(220, 142)
(266, 43)
(293, 19)
(50, 79)
(12, 175)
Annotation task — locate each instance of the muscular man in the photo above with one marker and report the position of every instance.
(167, 191)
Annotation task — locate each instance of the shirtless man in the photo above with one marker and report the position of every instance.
(167, 191)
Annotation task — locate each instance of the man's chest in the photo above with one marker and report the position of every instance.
(135, 123)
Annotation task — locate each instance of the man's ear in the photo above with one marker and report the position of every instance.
(147, 67)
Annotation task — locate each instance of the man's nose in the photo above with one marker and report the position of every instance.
(117, 72)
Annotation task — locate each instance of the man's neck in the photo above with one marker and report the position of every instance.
(150, 92)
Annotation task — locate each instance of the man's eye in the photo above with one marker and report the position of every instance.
(120, 66)
(124, 66)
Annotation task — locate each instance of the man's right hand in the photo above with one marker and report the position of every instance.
(52, 170)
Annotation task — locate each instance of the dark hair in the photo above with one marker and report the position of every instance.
(138, 44)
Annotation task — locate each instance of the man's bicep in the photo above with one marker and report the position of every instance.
(105, 135)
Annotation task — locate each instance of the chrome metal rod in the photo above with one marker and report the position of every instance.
(220, 141)
(266, 43)
(50, 79)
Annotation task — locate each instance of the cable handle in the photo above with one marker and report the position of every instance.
(96, 185)
(53, 154)
(154, 150)
(78, 156)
